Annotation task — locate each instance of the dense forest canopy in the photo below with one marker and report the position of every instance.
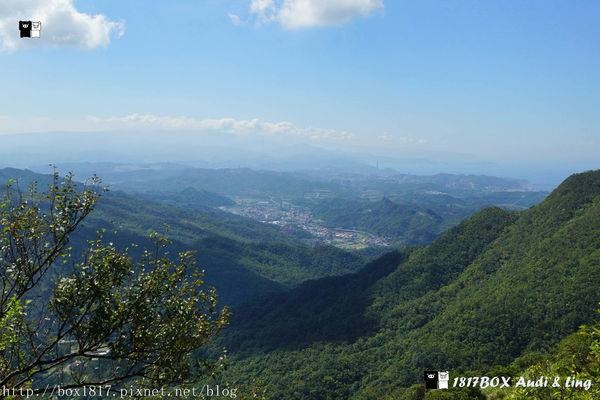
(499, 286)
(500, 291)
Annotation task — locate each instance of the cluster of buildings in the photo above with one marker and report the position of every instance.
(292, 218)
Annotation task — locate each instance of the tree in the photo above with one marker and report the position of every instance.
(576, 357)
(102, 317)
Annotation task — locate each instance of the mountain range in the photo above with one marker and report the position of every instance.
(490, 290)
(494, 291)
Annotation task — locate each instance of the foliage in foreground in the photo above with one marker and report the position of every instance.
(577, 357)
(104, 318)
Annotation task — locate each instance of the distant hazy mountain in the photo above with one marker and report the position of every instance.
(407, 209)
(223, 150)
(238, 181)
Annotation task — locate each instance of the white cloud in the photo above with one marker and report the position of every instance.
(297, 14)
(62, 24)
(224, 125)
(261, 6)
(235, 19)
(282, 131)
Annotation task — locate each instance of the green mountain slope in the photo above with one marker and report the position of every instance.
(405, 209)
(576, 356)
(242, 258)
(498, 286)
(336, 308)
(329, 309)
(413, 218)
(191, 198)
(409, 224)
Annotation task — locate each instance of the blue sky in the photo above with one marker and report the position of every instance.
(505, 81)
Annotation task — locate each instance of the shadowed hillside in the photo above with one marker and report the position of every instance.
(498, 286)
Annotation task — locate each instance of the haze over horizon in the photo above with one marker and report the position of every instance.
(492, 88)
(216, 150)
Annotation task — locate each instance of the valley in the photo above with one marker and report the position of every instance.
(497, 292)
(325, 287)
(291, 218)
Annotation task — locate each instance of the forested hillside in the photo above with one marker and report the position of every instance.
(406, 223)
(577, 355)
(308, 322)
(497, 287)
(241, 257)
(398, 208)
